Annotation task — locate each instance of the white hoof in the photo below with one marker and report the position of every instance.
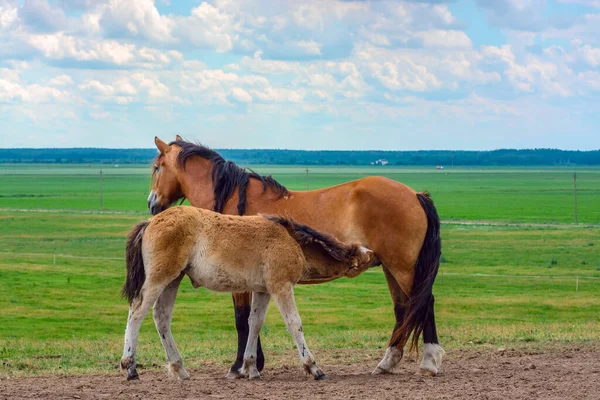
(177, 370)
(388, 363)
(253, 373)
(379, 371)
(432, 359)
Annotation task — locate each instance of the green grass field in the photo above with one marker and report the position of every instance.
(501, 284)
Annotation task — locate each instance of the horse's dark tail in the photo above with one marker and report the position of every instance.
(426, 269)
(135, 263)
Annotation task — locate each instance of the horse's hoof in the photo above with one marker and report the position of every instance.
(234, 375)
(322, 377)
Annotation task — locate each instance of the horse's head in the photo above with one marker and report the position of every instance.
(166, 186)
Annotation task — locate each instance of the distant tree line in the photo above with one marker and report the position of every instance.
(529, 157)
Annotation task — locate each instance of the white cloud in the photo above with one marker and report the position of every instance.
(584, 28)
(405, 74)
(206, 26)
(97, 87)
(532, 72)
(8, 16)
(309, 47)
(241, 95)
(445, 39)
(278, 95)
(268, 67)
(38, 15)
(526, 15)
(366, 62)
(589, 3)
(99, 115)
(589, 80)
(59, 46)
(136, 18)
(14, 91)
(61, 80)
(591, 55)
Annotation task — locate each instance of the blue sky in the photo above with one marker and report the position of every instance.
(469, 74)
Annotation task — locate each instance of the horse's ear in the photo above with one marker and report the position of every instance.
(178, 137)
(160, 145)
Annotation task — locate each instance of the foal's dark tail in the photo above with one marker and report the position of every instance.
(135, 263)
(426, 269)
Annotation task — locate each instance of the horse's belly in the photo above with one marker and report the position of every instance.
(221, 279)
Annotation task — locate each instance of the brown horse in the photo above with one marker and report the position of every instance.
(266, 256)
(400, 225)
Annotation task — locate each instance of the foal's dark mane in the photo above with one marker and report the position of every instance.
(226, 175)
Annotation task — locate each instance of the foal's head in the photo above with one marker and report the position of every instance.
(166, 185)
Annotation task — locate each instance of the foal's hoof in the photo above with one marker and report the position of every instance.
(252, 372)
(431, 371)
(234, 375)
(380, 371)
(254, 375)
(183, 376)
(133, 377)
(322, 377)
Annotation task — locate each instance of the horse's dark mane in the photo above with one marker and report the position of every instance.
(226, 175)
(307, 236)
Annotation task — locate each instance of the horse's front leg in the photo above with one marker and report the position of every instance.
(241, 304)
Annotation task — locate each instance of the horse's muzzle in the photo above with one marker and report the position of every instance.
(154, 205)
(156, 209)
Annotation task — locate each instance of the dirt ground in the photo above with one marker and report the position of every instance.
(568, 373)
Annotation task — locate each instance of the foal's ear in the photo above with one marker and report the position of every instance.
(160, 145)
(178, 137)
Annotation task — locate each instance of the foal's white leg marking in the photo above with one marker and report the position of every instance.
(390, 360)
(287, 307)
(432, 358)
(163, 313)
(137, 313)
(258, 312)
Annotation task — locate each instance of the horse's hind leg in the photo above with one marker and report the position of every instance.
(393, 354)
(260, 302)
(163, 313)
(137, 312)
(432, 351)
(284, 298)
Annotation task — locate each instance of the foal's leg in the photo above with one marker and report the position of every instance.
(137, 312)
(432, 351)
(260, 302)
(393, 354)
(162, 313)
(284, 299)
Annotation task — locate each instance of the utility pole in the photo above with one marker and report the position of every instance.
(100, 189)
(575, 195)
(306, 178)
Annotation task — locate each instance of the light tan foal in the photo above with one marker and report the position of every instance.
(266, 256)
